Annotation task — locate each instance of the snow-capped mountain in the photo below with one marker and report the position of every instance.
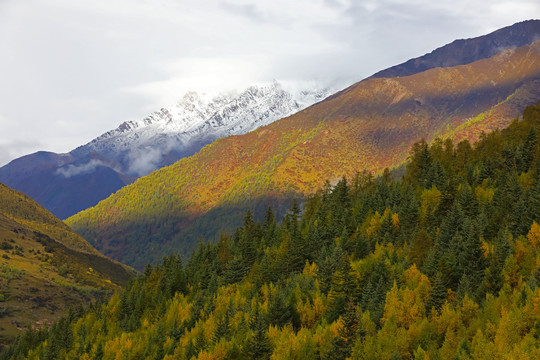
(182, 129)
(68, 183)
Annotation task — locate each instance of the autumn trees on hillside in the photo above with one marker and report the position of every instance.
(444, 263)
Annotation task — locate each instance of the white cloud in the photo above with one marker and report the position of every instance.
(73, 170)
(142, 161)
(72, 70)
(209, 75)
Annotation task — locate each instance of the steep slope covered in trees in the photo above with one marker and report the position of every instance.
(442, 264)
(371, 125)
(45, 267)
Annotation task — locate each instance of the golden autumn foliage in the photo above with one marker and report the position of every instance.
(369, 126)
(45, 267)
(534, 235)
(345, 278)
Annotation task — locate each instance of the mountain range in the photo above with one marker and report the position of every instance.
(370, 126)
(460, 229)
(68, 183)
(45, 267)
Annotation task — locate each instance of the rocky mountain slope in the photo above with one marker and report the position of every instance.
(45, 268)
(68, 183)
(368, 126)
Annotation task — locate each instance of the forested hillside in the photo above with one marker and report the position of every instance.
(369, 126)
(442, 264)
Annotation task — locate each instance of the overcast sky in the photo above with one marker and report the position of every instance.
(73, 69)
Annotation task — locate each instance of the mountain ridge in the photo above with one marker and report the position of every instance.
(69, 183)
(465, 51)
(368, 126)
(197, 120)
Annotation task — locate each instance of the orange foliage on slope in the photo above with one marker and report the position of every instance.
(370, 125)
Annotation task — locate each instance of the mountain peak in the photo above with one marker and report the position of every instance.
(466, 51)
(190, 96)
(196, 120)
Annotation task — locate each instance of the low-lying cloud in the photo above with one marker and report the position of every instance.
(74, 170)
(143, 161)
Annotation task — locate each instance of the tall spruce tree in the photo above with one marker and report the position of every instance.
(258, 345)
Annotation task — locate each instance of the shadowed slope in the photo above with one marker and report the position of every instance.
(370, 125)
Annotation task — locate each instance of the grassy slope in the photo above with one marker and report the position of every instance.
(371, 125)
(45, 268)
(31, 215)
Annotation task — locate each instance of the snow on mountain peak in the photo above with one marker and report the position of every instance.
(195, 120)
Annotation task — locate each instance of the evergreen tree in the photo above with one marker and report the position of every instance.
(328, 262)
(435, 176)
(420, 248)
(258, 345)
(469, 253)
(235, 271)
(344, 283)
(408, 212)
(175, 277)
(420, 162)
(468, 201)
(98, 355)
(223, 328)
(493, 279)
(270, 229)
(342, 344)
(467, 286)
(200, 343)
(176, 331)
(189, 350)
(517, 225)
(248, 241)
(438, 294)
(452, 224)
(528, 150)
(340, 208)
(532, 212)
(280, 311)
(296, 256)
